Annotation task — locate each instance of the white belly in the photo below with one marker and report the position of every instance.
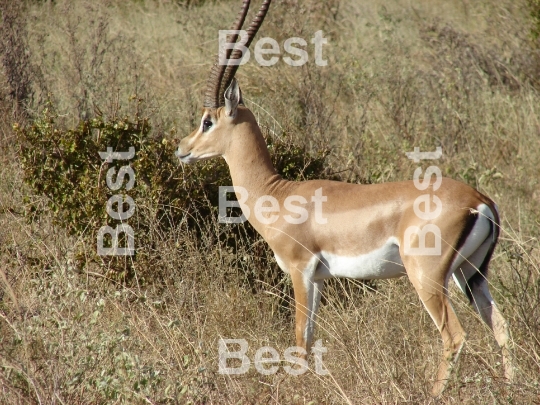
(384, 262)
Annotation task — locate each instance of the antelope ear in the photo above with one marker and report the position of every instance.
(233, 97)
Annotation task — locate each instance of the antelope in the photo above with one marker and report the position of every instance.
(361, 231)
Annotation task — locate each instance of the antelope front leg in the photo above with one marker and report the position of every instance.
(307, 295)
(314, 299)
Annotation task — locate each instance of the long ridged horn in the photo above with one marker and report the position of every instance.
(213, 95)
(251, 32)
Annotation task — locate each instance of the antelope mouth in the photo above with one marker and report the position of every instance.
(187, 158)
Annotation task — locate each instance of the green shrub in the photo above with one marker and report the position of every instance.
(64, 165)
(534, 6)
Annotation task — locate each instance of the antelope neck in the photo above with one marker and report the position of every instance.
(250, 164)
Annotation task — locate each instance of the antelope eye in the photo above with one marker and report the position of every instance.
(207, 124)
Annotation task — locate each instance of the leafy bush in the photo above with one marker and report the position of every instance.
(65, 166)
(534, 6)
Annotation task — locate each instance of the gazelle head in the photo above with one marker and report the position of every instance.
(223, 109)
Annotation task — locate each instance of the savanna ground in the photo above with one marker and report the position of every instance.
(76, 328)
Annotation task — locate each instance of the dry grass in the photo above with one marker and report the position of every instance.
(456, 74)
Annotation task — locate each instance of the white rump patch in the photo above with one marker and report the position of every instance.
(473, 252)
